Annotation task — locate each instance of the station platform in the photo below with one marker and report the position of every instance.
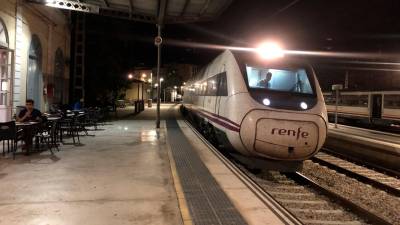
(130, 173)
(377, 147)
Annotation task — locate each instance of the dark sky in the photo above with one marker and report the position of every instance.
(352, 25)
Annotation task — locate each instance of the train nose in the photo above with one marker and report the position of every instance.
(283, 136)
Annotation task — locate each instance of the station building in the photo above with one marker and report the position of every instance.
(34, 56)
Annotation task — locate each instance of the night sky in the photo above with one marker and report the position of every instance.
(115, 46)
(353, 25)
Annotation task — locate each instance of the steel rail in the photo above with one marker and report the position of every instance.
(353, 207)
(375, 183)
(370, 165)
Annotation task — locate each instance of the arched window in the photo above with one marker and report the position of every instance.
(6, 57)
(3, 35)
(59, 68)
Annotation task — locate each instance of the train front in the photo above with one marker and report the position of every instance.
(288, 117)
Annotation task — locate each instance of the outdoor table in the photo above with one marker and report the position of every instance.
(53, 118)
(29, 130)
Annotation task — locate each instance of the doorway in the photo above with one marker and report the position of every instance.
(35, 78)
(376, 106)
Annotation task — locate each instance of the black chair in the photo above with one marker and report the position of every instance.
(49, 136)
(9, 132)
(82, 123)
(70, 127)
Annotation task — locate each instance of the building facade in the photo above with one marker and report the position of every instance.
(34, 56)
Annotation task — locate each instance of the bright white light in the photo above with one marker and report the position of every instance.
(184, 83)
(266, 101)
(161, 79)
(150, 80)
(144, 75)
(303, 105)
(175, 87)
(130, 76)
(270, 50)
(4, 86)
(125, 128)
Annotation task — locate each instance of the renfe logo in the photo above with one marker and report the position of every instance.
(294, 133)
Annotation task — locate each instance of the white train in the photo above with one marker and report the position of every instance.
(269, 112)
(377, 107)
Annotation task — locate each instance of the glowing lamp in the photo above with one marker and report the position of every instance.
(303, 105)
(270, 50)
(130, 76)
(266, 101)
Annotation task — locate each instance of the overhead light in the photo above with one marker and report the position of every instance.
(270, 50)
(266, 101)
(303, 105)
(69, 5)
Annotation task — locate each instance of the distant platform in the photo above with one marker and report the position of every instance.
(377, 147)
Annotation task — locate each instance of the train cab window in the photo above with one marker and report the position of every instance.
(392, 101)
(286, 80)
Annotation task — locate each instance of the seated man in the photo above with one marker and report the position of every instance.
(29, 113)
(266, 82)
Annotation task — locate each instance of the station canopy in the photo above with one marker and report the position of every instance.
(150, 11)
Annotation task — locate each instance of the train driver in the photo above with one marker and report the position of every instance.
(266, 82)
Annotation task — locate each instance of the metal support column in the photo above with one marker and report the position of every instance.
(78, 79)
(158, 77)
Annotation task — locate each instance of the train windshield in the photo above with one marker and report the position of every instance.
(284, 80)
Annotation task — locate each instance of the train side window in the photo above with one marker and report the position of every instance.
(222, 85)
(198, 90)
(203, 88)
(392, 101)
(212, 86)
(329, 99)
(354, 100)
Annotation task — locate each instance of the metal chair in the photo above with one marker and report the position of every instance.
(9, 132)
(70, 126)
(49, 136)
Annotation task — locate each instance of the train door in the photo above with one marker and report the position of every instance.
(376, 106)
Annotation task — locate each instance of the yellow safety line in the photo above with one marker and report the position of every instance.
(185, 213)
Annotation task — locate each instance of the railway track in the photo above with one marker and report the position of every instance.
(356, 161)
(371, 177)
(299, 199)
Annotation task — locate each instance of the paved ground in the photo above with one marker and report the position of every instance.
(120, 176)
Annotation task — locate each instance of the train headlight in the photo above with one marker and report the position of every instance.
(303, 105)
(266, 101)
